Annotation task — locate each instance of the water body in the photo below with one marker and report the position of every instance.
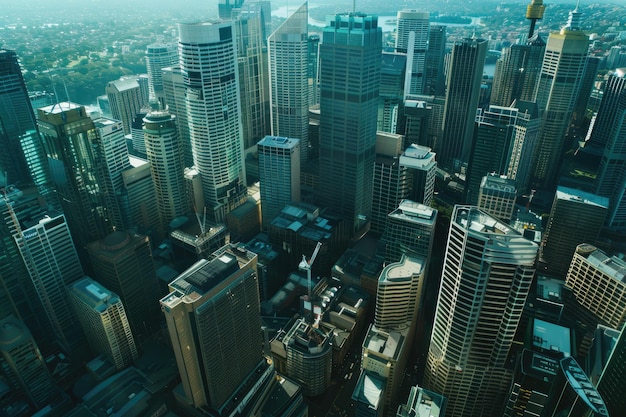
(387, 23)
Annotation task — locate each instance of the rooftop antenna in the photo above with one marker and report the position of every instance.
(353, 6)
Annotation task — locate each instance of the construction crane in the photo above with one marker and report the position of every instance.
(306, 265)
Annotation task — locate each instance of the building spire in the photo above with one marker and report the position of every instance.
(574, 22)
(534, 12)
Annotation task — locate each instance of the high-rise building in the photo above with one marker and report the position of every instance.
(517, 72)
(70, 137)
(412, 39)
(392, 81)
(561, 74)
(391, 183)
(159, 56)
(104, 321)
(421, 120)
(225, 8)
(17, 293)
(165, 153)
(385, 354)
(137, 146)
(305, 352)
(497, 196)
(399, 293)
(289, 81)
(612, 384)
(609, 135)
(122, 262)
(250, 23)
(435, 80)
(420, 162)
(111, 153)
(279, 168)
(22, 158)
(313, 69)
(125, 100)
(22, 365)
(208, 57)
(576, 217)
(138, 199)
(349, 81)
(410, 230)
(399, 175)
(488, 268)
(597, 284)
(464, 80)
(52, 263)
(174, 93)
(216, 300)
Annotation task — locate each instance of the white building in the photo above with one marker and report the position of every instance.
(208, 59)
(52, 263)
(487, 272)
(412, 39)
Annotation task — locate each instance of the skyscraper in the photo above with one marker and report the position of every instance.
(122, 262)
(464, 79)
(349, 81)
(412, 39)
(216, 300)
(23, 158)
(159, 56)
(596, 282)
(225, 8)
(289, 81)
(435, 80)
(487, 272)
(52, 263)
(209, 66)
(392, 86)
(561, 73)
(399, 293)
(576, 217)
(609, 135)
(518, 68)
(496, 196)
(279, 168)
(70, 138)
(104, 321)
(249, 23)
(112, 159)
(165, 153)
(125, 100)
(410, 230)
(22, 365)
(517, 72)
(174, 93)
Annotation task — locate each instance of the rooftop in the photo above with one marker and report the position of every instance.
(611, 266)
(552, 337)
(369, 389)
(388, 344)
(279, 142)
(415, 212)
(406, 268)
(93, 294)
(205, 275)
(571, 194)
